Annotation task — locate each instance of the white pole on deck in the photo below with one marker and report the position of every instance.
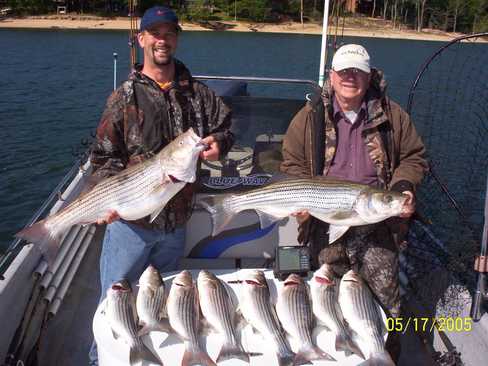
(323, 48)
(115, 70)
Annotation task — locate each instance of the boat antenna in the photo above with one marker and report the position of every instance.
(133, 32)
(323, 48)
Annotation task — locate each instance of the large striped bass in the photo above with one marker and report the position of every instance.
(325, 291)
(258, 310)
(295, 313)
(136, 192)
(364, 318)
(151, 302)
(340, 203)
(121, 312)
(219, 310)
(184, 318)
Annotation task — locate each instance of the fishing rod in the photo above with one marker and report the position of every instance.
(133, 33)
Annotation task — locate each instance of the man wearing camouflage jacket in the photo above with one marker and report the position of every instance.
(160, 101)
(353, 131)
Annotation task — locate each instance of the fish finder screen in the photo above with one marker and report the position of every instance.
(289, 259)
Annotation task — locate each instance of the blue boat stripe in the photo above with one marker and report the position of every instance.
(215, 248)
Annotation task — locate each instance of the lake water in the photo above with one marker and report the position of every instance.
(54, 85)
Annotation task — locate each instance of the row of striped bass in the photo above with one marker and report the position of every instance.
(340, 203)
(136, 192)
(363, 316)
(184, 318)
(295, 313)
(325, 291)
(220, 312)
(120, 309)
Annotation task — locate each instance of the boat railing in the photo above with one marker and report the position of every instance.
(17, 244)
(259, 79)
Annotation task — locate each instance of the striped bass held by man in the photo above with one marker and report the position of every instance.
(136, 192)
(340, 203)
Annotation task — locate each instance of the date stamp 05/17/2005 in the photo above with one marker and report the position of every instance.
(420, 324)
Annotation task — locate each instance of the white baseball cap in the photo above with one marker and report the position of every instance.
(351, 56)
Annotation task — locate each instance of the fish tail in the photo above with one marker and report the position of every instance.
(220, 210)
(309, 353)
(48, 241)
(344, 343)
(230, 351)
(196, 358)
(141, 353)
(379, 359)
(286, 360)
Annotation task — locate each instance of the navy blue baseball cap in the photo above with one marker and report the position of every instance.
(157, 15)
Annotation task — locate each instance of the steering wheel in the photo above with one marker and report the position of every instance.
(243, 163)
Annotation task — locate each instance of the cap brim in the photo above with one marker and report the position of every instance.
(352, 65)
(178, 27)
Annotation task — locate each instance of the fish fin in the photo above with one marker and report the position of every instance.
(141, 353)
(196, 358)
(344, 343)
(89, 183)
(157, 212)
(230, 351)
(239, 320)
(47, 241)
(336, 231)
(266, 219)
(287, 360)
(220, 213)
(206, 327)
(379, 359)
(310, 353)
(161, 326)
(115, 335)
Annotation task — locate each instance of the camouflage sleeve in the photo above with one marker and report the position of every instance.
(294, 157)
(219, 118)
(412, 164)
(108, 152)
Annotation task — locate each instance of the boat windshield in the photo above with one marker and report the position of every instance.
(259, 125)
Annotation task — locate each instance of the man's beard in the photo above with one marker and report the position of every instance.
(162, 61)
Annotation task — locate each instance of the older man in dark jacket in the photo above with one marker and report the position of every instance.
(355, 132)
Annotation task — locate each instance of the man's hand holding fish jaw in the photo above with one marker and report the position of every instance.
(213, 151)
(409, 206)
(110, 217)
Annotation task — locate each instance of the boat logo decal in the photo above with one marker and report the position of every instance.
(230, 182)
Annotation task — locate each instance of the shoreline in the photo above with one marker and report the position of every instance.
(100, 23)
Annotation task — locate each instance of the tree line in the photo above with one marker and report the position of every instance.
(467, 16)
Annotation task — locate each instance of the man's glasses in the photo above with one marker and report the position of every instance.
(351, 70)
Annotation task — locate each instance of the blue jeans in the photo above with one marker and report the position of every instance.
(128, 249)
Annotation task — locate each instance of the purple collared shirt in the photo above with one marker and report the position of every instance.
(351, 160)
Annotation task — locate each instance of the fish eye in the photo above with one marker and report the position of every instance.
(388, 198)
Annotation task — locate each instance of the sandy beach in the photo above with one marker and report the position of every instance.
(366, 27)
